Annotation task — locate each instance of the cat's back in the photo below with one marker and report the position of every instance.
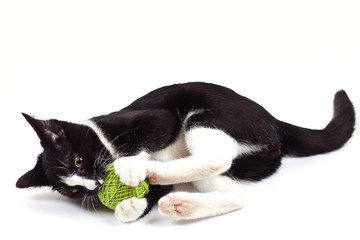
(186, 96)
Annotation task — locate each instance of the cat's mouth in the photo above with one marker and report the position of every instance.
(80, 184)
(100, 180)
(99, 183)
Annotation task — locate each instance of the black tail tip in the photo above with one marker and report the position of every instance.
(343, 104)
(341, 95)
(344, 111)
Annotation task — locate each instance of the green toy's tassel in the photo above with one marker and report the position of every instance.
(114, 191)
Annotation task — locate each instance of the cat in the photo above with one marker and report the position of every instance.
(197, 134)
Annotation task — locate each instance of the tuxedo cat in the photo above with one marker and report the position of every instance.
(197, 134)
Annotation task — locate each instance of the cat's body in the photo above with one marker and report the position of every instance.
(204, 135)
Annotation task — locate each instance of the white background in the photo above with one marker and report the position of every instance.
(75, 59)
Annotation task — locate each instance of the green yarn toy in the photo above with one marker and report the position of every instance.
(114, 191)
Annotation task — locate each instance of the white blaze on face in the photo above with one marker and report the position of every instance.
(76, 180)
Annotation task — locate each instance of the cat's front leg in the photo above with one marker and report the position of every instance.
(132, 169)
(184, 170)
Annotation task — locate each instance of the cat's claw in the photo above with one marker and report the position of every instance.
(173, 207)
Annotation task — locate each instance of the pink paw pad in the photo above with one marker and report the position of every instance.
(174, 207)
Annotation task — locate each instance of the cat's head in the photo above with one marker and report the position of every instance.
(73, 161)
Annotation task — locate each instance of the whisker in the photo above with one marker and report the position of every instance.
(62, 162)
(92, 203)
(89, 201)
(83, 202)
(101, 154)
(101, 162)
(113, 140)
(62, 190)
(100, 157)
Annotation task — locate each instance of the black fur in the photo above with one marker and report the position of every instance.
(154, 121)
(62, 142)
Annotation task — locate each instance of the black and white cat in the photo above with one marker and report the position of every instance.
(198, 134)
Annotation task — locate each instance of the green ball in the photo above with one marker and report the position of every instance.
(113, 191)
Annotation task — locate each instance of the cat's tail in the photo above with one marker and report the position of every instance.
(298, 141)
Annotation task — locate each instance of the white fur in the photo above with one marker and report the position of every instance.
(76, 180)
(216, 195)
(192, 113)
(130, 209)
(132, 169)
(207, 142)
(211, 153)
(200, 155)
(195, 159)
(176, 150)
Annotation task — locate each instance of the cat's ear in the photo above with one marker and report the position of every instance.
(33, 178)
(49, 131)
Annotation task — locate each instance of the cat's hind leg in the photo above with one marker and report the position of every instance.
(211, 153)
(215, 196)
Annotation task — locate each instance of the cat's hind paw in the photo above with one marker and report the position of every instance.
(173, 207)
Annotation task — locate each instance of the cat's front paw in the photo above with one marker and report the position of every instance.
(131, 170)
(130, 209)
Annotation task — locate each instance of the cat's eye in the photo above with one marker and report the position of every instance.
(78, 162)
(74, 190)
